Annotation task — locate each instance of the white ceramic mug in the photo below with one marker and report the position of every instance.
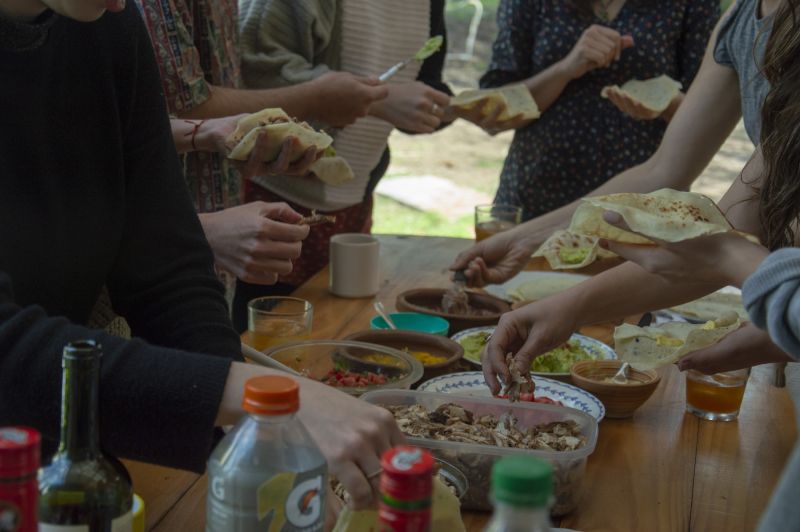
(353, 265)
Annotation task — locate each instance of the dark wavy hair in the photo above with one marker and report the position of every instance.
(779, 192)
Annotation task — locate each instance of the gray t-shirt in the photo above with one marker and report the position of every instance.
(741, 42)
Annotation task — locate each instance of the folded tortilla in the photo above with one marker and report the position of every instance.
(278, 126)
(565, 250)
(656, 93)
(516, 99)
(543, 287)
(665, 214)
(652, 347)
(333, 170)
(713, 305)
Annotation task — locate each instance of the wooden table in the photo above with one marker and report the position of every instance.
(662, 469)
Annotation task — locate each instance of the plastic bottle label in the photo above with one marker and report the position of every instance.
(287, 501)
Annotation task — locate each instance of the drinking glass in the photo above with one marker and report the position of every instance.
(276, 320)
(716, 397)
(495, 218)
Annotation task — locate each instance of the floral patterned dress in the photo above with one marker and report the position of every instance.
(582, 140)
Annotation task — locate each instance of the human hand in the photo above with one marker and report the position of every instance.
(292, 159)
(597, 47)
(412, 106)
(351, 434)
(495, 259)
(340, 98)
(727, 257)
(527, 332)
(746, 347)
(257, 241)
(487, 117)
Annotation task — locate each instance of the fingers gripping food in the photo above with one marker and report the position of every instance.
(278, 126)
(515, 99)
(655, 94)
(565, 250)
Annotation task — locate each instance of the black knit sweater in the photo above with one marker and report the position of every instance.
(91, 194)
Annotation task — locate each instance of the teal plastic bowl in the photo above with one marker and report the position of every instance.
(413, 321)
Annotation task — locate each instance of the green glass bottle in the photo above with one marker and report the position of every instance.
(83, 490)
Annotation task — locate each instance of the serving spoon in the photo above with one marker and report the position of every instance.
(382, 311)
(621, 377)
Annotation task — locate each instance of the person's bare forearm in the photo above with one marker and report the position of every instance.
(547, 85)
(297, 100)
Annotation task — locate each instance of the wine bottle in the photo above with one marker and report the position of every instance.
(83, 490)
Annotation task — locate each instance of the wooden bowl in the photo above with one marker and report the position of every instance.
(417, 341)
(620, 400)
(427, 300)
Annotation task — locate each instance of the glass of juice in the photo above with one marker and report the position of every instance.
(276, 320)
(715, 397)
(495, 218)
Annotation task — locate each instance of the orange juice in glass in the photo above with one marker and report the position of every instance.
(278, 320)
(495, 218)
(716, 397)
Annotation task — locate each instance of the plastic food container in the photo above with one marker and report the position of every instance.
(475, 460)
(316, 359)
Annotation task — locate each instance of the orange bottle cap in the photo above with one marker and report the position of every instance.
(271, 395)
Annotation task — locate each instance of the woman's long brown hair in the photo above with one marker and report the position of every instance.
(779, 193)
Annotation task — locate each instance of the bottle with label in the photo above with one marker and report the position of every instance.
(19, 462)
(83, 490)
(522, 487)
(267, 473)
(406, 490)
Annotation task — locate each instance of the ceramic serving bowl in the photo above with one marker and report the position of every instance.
(413, 321)
(429, 301)
(411, 342)
(620, 400)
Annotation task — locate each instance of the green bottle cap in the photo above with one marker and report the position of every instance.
(522, 481)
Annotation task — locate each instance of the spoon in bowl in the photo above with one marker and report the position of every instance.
(382, 311)
(621, 377)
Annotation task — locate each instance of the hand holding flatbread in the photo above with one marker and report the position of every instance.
(652, 347)
(644, 100)
(496, 110)
(565, 250)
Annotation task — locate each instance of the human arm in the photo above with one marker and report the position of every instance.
(686, 149)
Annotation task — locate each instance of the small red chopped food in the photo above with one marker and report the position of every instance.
(351, 379)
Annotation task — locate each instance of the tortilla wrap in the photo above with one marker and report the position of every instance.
(665, 214)
(516, 100)
(278, 126)
(332, 170)
(655, 94)
(713, 305)
(565, 250)
(652, 347)
(543, 287)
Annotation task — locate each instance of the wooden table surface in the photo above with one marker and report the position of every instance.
(662, 469)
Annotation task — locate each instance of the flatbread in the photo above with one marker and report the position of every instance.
(516, 99)
(315, 218)
(652, 347)
(665, 214)
(713, 305)
(332, 170)
(543, 287)
(565, 250)
(656, 93)
(278, 126)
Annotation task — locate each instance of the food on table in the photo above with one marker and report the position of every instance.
(665, 214)
(454, 423)
(713, 305)
(382, 359)
(559, 360)
(655, 346)
(345, 378)
(515, 99)
(566, 250)
(278, 126)
(315, 218)
(544, 286)
(655, 93)
(427, 359)
(519, 384)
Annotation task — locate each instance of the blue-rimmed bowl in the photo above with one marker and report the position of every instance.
(413, 321)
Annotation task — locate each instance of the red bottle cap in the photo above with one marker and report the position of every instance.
(407, 474)
(19, 452)
(271, 395)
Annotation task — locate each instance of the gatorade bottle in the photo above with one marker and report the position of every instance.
(522, 487)
(267, 473)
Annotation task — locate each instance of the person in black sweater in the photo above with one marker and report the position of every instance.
(91, 194)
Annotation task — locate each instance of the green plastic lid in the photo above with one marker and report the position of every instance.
(522, 481)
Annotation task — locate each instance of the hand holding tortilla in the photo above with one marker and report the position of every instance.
(652, 347)
(278, 126)
(496, 110)
(565, 250)
(645, 100)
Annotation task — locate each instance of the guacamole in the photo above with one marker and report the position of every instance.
(473, 345)
(573, 255)
(560, 359)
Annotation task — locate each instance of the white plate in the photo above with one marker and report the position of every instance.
(472, 383)
(594, 347)
(502, 290)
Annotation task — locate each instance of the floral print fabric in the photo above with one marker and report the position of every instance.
(582, 140)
